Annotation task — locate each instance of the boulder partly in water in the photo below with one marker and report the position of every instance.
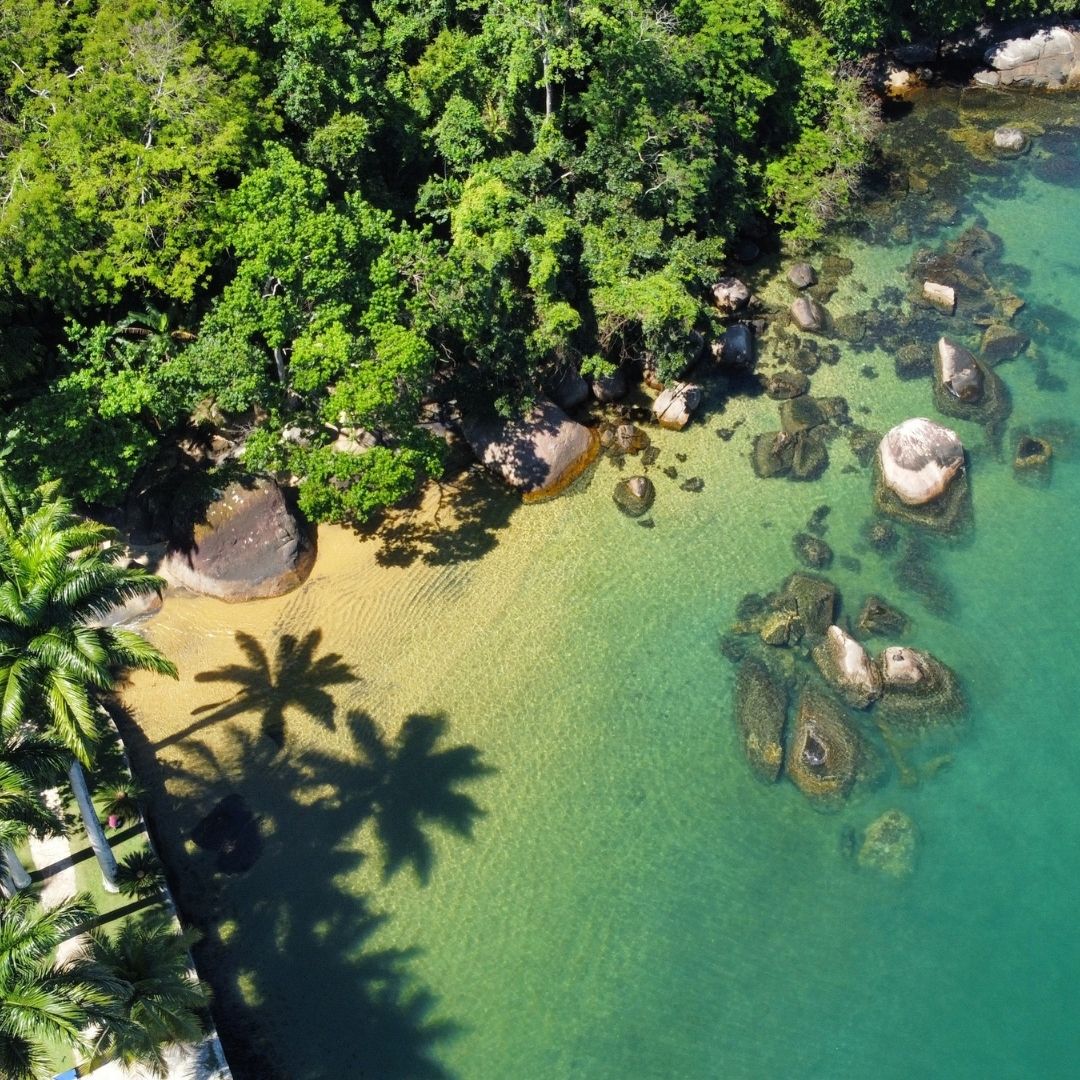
(920, 474)
(634, 495)
(673, 406)
(846, 666)
(538, 453)
(248, 543)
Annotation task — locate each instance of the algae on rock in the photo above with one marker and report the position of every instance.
(761, 712)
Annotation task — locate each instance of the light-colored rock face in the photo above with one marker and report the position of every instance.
(802, 275)
(901, 667)
(807, 314)
(958, 372)
(1010, 139)
(537, 453)
(942, 296)
(730, 295)
(846, 661)
(1049, 59)
(919, 459)
(673, 406)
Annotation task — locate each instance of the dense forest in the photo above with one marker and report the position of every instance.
(317, 217)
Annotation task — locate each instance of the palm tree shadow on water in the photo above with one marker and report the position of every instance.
(296, 679)
(301, 990)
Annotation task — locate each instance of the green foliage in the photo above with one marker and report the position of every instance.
(43, 1002)
(58, 576)
(120, 131)
(157, 1001)
(330, 213)
(140, 874)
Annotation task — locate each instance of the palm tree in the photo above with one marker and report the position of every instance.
(42, 1001)
(160, 1001)
(58, 576)
(28, 763)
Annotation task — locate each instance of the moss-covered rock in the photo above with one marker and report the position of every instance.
(782, 385)
(812, 551)
(761, 713)
(1033, 454)
(889, 845)
(918, 690)
(800, 414)
(810, 456)
(814, 599)
(879, 617)
(824, 751)
(781, 628)
(772, 454)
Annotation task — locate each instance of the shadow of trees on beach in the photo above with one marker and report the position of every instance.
(302, 990)
(469, 512)
(296, 679)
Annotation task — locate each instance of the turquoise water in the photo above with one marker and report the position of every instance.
(570, 871)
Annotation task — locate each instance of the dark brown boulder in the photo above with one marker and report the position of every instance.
(248, 543)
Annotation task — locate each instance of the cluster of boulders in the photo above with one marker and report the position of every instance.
(790, 646)
(799, 450)
(1048, 59)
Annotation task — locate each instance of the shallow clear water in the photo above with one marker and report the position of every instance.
(631, 902)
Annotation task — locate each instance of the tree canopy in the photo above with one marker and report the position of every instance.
(321, 217)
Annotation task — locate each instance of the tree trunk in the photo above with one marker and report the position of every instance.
(15, 869)
(279, 363)
(106, 859)
(7, 886)
(549, 90)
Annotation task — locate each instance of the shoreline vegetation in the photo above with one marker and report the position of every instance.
(269, 266)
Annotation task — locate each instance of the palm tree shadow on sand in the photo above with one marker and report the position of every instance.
(296, 679)
(410, 783)
(288, 937)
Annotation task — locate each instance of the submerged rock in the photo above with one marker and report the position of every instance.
(539, 453)
(1001, 342)
(812, 551)
(879, 617)
(781, 628)
(800, 414)
(782, 385)
(824, 751)
(634, 495)
(846, 666)
(913, 361)
(814, 599)
(761, 713)
(673, 406)
(248, 543)
(1032, 453)
(889, 845)
(802, 275)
